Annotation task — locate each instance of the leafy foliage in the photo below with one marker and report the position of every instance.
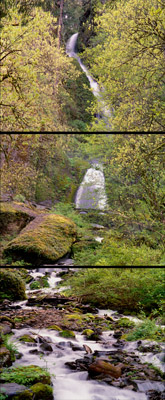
(123, 289)
(24, 375)
(127, 58)
(146, 330)
(34, 74)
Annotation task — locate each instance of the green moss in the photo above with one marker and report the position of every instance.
(74, 316)
(125, 323)
(88, 332)
(67, 334)
(12, 286)
(26, 375)
(42, 392)
(55, 328)
(48, 237)
(26, 395)
(35, 285)
(27, 338)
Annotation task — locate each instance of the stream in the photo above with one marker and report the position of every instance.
(103, 111)
(71, 384)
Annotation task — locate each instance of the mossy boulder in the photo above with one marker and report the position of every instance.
(46, 239)
(42, 392)
(67, 334)
(12, 287)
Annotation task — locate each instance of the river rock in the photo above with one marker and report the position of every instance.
(155, 395)
(5, 329)
(46, 347)
(103, 367)
(97, 226)
(117, 334)
(12, 389)
(5, 357)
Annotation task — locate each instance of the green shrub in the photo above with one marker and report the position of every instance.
(131, 289)
(146, 330)
(35, 285)
(19, 197)
(25, 375)
(125, 323)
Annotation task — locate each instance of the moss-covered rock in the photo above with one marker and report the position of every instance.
(47, 238)
(27, 338)
(12, 286)
(88, 332)
(25, 395)
(54, 328)
(42, 392)
(67, 334)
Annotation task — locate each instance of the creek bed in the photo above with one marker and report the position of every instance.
(71, 384)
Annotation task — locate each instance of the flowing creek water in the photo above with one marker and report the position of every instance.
(76, 385)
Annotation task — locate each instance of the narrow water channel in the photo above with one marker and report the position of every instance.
(103, 111)
(76, 385)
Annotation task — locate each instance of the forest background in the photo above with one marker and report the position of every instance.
(48, 169)
(120, 41)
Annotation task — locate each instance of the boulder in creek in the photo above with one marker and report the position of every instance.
(46, 347)
(102, 367)
(46, 239)
(42, 391)
(13, 389)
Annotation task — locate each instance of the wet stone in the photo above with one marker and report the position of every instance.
(155, 395)
(46, 347)
(36, 351)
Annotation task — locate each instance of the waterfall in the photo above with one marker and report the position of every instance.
(70, 50)
(91, 192)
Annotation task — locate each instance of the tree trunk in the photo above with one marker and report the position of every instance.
(60, 22)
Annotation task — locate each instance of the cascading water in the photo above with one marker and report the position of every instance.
(67, 384)
(91, 192)
(70, 50)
